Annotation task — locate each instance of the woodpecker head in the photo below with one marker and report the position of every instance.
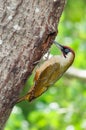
(65, 50)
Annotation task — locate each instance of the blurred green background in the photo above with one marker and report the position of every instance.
(63, 106)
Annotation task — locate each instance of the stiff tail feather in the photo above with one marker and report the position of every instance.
(26, 97)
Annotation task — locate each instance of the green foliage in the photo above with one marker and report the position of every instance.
(17, 120)
(63, 106)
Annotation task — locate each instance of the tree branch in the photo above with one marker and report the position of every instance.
(76, 73)
(27, 28)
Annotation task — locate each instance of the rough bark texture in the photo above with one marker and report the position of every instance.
(27, 28)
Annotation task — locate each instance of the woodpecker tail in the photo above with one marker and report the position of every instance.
(26, 97)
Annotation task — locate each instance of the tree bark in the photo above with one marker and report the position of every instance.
(27, 28)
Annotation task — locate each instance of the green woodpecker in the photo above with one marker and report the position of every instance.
(49, 72)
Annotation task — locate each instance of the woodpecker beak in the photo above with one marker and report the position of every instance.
(60, 47)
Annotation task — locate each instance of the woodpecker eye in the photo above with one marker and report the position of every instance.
(66, 50)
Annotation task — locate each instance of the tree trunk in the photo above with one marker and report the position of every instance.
(27, 28)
